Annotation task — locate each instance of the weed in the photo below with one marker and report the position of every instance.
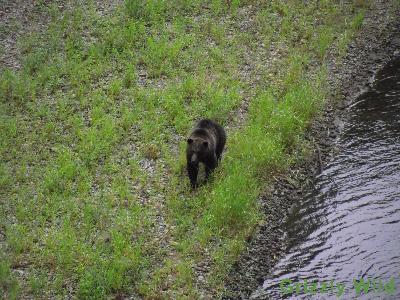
(358, 20)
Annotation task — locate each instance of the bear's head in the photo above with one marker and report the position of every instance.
(197, 149)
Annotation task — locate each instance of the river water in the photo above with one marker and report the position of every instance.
(346, 233)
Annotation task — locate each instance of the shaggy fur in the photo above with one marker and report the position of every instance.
(204, 145)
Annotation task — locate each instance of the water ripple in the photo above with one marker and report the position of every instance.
(349, 227)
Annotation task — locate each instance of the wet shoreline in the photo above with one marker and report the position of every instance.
(346, 230)
(377, 43)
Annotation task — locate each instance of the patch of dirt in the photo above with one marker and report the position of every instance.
(376, 43)
(19, 18)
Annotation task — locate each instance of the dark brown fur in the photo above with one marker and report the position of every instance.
(204, 145)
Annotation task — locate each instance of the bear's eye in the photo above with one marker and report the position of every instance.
(190, 141)
(205, 143)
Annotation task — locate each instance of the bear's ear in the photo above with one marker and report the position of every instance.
(205, 144)
(189, 141)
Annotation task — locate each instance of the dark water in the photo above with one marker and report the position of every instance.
(349, 227)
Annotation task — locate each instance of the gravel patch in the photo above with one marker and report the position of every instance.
(20, 18)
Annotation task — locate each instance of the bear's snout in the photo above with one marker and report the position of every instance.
(194, 158)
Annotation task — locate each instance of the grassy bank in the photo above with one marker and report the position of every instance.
(93, 191)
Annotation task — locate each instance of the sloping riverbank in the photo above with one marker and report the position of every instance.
(375, 44)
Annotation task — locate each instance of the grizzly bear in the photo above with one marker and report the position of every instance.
(205, 145)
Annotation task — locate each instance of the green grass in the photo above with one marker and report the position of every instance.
(94, 195)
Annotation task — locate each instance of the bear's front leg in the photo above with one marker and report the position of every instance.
(211, 165)
(193, 170)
